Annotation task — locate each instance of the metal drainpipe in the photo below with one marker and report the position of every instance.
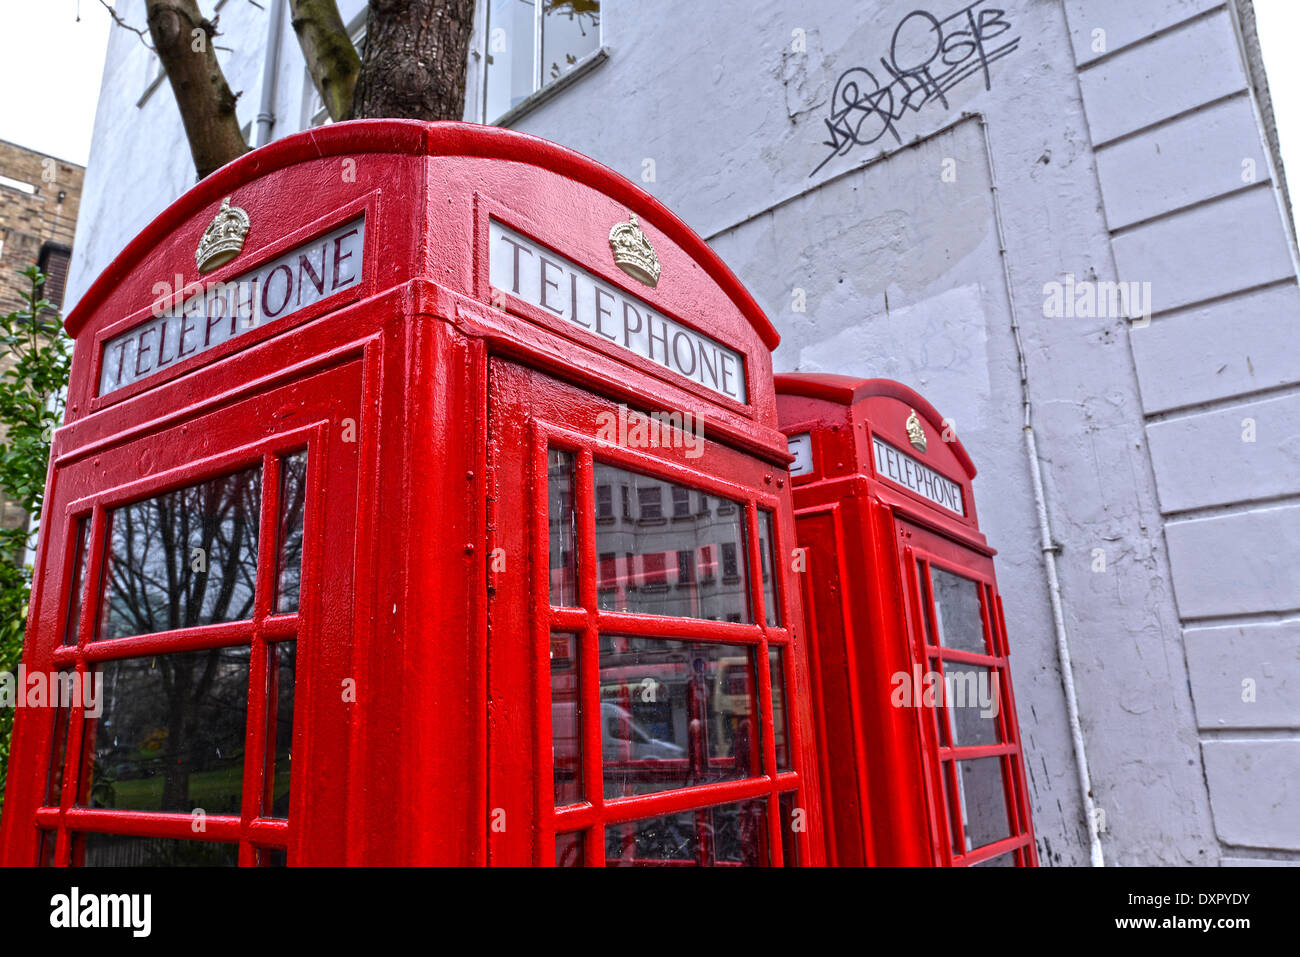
(270, 73)
(1045, 532)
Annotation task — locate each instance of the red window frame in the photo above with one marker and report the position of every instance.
(926, 551)
(520, 488)
(260, 840)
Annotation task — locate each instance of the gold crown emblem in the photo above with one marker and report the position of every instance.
(633, 252)
(915, 434)
(223, 239)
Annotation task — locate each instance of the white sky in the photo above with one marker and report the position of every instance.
(50, 68)
(51, 63)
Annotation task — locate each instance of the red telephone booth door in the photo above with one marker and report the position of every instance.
(641, 676)
(976, 777)
(203, 572)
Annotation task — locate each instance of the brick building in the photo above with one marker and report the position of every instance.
(39, 196)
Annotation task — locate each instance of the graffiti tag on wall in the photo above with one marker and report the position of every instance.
(928, 56)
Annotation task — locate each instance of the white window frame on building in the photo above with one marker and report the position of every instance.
(543, 87)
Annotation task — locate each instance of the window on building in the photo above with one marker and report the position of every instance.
(53, 261)
(604, 503)
(651, 500)
(533, 43)
(681, 502)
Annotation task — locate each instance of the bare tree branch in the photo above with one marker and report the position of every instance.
(126, 26)
(331, 58)
(182, 37)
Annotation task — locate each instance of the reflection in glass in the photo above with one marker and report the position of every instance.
(983, 801)
(569, 849)
(510, 45)
(187, 557)
(58, 748)
(676, 713)
(972, 696)
(45, 854)
(776, 662)
(562, 525)
(566, 720)
(686, 566)
(729, 834)
(272, 857)
(116, 850)
(570, 31)
(293, 497)
(766, 555)
(81, 536)
(957, 612)
(171, 736)
(789, 847)
(281, 660)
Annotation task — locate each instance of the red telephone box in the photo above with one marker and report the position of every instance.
(917, 735)
(420, 500)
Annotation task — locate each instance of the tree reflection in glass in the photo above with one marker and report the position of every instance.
(184, 558)
(171, 735)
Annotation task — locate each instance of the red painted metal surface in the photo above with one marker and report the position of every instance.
(876, 550)
(422, 726)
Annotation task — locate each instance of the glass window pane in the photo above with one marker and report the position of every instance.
(957, 612)
(81, 535)
(1002, 860)
(570, 849)
(272, 857)
(293, 497)
(171, 736)
(766, 555)
(983, 801)
(566, 720)
(570, 31)
(187, 557)
(789, 846)
(510, 45)
(562, 524)
(59, 745)
(676, 713)
(972, 697)
(776, 664)
(686, 566)
(116, 850)
(729, 834)
(45, 854)
(282, 659)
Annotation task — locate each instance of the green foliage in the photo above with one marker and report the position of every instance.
(31, 405)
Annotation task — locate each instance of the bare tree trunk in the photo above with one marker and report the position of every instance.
(183, 38)
(415, 59)
(327, 48)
